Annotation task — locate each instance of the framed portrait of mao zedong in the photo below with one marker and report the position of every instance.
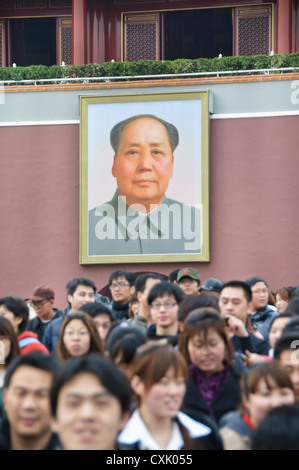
(144, 177)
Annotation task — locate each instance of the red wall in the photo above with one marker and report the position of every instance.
(254, 222)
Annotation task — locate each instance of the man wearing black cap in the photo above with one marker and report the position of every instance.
(42, 301)
(189, 280)
(211, 286)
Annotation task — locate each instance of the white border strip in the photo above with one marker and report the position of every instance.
(254, 115)
(38, 123)
(212, 116)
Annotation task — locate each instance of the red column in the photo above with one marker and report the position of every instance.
(79, 32)
(284, 27)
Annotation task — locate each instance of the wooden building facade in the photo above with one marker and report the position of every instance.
(50, 32)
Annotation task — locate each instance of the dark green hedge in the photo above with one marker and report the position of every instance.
(150, 67)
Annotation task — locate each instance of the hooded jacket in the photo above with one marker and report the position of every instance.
(262, 319)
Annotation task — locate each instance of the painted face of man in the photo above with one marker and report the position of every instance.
(143, 163)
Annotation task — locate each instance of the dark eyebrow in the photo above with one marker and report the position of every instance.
(151, 144)
(230, 298)
(20, 387)
(95, 395)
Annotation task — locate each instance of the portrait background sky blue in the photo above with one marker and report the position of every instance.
(185, 185)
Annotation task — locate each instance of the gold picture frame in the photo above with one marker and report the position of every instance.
(177, 230)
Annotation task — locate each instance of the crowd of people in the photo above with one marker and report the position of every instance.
(163, 363)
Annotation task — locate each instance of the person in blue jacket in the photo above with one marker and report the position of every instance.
(79, 292)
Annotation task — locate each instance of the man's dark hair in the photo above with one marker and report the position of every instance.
(18, 307)
(116, 132)
(37, 359)
(173, 275)
(287, 341)
(192, 302)
(140, 281)
(130, 277)
(96, 308)
(122, 342)
(239, 285)
(107, 373)
(165, 288)
(293, 306)
(294, 292)
(292, 327)
(81, 281)
(279, 430)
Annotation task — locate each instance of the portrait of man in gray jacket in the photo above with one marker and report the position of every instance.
(140, 218)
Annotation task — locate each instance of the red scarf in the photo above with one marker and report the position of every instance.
(248, 421)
